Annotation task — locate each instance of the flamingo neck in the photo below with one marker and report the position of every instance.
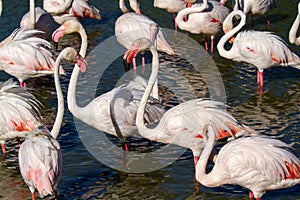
(143, 130)
(183, 14)
(201, 175)
(222, 51)
(71, 97)
(60, 100)
(122, 6)
(31, 14)
(293, 32)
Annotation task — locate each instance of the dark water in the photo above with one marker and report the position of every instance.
(84, 177)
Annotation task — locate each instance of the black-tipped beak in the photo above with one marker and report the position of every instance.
(126, 65)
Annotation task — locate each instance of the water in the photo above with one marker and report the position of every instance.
(84, 177)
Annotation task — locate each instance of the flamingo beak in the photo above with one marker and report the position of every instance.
(81, 62)
(231, 40)
(58, 33)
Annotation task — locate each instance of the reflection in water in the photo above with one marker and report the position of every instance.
(275, 113)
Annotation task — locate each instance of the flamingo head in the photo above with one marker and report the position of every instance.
(73, 56)
(68, 27)
(223, 2)
(140, 45)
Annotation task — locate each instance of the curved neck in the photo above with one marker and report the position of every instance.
(31, 14)
(60, 100)
(293, 32)
(71, 98)
(122, 6)
(133, 4)
(144, 131)
(201, 176)
(222, 51)
(183, 14)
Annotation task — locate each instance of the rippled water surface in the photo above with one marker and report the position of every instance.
(276, 112)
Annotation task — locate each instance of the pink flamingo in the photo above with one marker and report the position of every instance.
(182, 125)
(134, 5)
(293, 32)
(31, 57)
(259, 48)
(203, 18)
(70, 9)
(255, 7)
(19, 112)
(131, 26)
(40, 157)
(258, 163)
(98, 112)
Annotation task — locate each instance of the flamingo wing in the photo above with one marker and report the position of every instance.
(22, 52)
(19, 109)
(81, 9)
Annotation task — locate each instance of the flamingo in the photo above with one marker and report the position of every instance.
(19, 112)
(258, 163)
(40, 156)
(293, 32)
(172, 6)
(131, 26)
(97, 113)
(24, 55)
(255, 7)
(203, 18)
(260, 48)
(182, 125)
(63, 10)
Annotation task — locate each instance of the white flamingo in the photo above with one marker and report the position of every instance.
(134, 5)
(293, 32)
(30, 57)
(19, 112)
(255, 7)
(97, 113)
(203, 18)
(259, 48)
(182, 125)
(40, 157)
(131, 26)
(258, 163)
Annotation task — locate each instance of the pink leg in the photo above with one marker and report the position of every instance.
(212, 44)
(196, 158)
(251, 195)
(3, 148)
(125, 146)
(55, 195)
(134, 63)
(206, 44)
(143, 60)
(176, 26)
(268, 21)
(260, 78)
(32, 196)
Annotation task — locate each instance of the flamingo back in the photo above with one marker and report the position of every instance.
(82, 9)
(19, 109)
(171, 6)
(40, 162)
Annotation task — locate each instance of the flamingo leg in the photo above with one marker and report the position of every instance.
(143, 60)
(251, 195)
(176, 26)
(260, 78)
(268, 21)
(251, 21)
(55, 195)
(32, 196)
(206, 44)
(134, 63)
(3, 148)
(212, 44)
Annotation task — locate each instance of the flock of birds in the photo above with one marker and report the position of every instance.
(248, 159)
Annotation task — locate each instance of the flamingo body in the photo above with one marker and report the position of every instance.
(261, 7)
(30, 57)
(131, 26)
(257, 163)
(171, 6)
(19, 112)
(40, 161)
(260, 48)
